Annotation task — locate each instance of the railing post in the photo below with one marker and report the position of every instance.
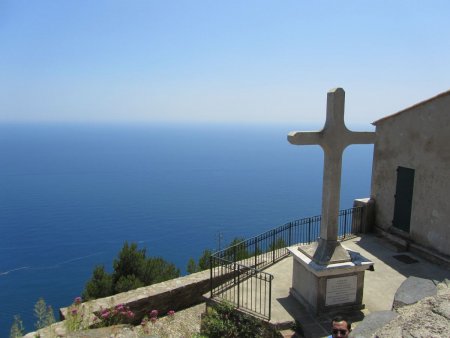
(256, 253)
(345, 223)
(270, 296)
(290, 234)
(273, 246)
(238, 285)
(309, 230)
(211, 275)
(234, 264)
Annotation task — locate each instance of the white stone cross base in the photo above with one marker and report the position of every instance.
(330, 288)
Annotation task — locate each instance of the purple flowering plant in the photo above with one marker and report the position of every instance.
(78, 317)
(75, 316)
(114, 315)
(153, 319)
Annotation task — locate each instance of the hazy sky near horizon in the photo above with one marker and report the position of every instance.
(218, 61)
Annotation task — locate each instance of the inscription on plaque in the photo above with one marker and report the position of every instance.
(341, 290)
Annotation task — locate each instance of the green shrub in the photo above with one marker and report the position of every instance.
(233, 251)
(156, 270)
(217, 323)
(203, 262)
(279, 243)
(100, 285)
(132, 269)
(130, 261)
(126, 283)
(192, 267)
(237, 250)
(223, 320)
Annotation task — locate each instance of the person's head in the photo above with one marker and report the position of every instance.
(340, 326)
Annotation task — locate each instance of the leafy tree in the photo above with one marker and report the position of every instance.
(192, 267)
(236, 240)
(129, 262)
(237, 251)
(127, 283)
(279, 243)
(156, 270)
(100, 285)
(132, 269)
(17, 328)
(203, 261)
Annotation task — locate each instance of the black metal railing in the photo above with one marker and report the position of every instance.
(236, 272)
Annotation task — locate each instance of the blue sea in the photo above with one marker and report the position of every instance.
(71, 194)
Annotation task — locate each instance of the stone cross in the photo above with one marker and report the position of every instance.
(333, 138)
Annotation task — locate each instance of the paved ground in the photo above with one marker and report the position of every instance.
(379, 288)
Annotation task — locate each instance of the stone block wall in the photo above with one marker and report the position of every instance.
(175, 294)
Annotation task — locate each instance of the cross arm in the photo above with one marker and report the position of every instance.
(305, 137)
(362, 137)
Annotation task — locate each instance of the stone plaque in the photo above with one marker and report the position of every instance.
(341, 290)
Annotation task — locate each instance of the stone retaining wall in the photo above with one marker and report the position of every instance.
(175, 294)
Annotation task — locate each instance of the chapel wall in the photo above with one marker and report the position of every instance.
(418, 138)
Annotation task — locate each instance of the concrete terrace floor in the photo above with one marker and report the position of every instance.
(379, 287)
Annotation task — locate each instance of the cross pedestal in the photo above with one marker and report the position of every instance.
(317, 262)
(329, 288)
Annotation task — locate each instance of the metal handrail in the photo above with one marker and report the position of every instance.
(243, 262)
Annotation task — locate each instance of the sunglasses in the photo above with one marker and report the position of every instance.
(342, 332)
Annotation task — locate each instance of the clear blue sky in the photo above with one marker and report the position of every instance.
(218, 61)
